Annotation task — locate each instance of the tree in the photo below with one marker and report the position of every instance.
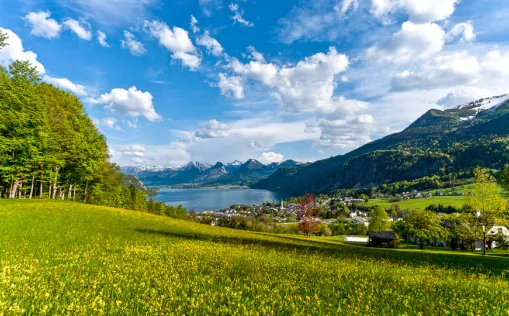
(308, 224)
(486, 200)
(379, 221)
(3, 39)
(503, 179)
(422, 226)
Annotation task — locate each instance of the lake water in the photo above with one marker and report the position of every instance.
(214, 199)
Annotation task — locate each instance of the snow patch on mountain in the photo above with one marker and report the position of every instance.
(485, 104)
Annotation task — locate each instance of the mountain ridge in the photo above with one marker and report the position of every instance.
(437, 143)
(196, 173)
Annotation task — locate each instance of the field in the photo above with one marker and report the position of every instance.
(66, 258)
(421, 203)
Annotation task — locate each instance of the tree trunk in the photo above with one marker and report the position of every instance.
(14, 189)
(55, 183)
(41, 185)
(19, 192)
(74, 193)
(484, 242)
(32, 186)
(69, 192)
(50, 184)
(85, 195)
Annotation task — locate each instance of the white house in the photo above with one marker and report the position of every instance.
(494, 231)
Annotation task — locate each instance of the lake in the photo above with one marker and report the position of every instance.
(215, 199)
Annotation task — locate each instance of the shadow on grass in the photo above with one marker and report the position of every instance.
(494, 265)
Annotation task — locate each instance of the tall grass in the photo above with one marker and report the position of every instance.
(66, 258)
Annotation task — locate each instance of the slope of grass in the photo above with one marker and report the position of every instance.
(414, 204)
(67, 258)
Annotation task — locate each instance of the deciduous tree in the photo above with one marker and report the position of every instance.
(379, 221)
(486, 200)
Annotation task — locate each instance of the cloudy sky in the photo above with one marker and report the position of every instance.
(214, 80)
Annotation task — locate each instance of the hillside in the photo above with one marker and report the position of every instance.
(438, 143)
(70, 258)
(196, 173)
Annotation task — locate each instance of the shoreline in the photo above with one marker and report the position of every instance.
(190, 187)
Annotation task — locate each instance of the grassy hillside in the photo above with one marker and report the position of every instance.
(66, 258)
(420, 204)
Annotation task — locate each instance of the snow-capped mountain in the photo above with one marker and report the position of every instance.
(485, 104)
(234, 163)
(233, 173)
(194, 165)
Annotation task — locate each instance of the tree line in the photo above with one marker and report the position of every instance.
(50, 148)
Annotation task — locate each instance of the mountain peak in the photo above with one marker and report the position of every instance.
(484, 104)
(196, 165)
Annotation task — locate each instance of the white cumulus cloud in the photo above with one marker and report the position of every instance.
(212, 129)
(307, 86)
(177, 41)
(42, 25)
(231, 86)
(78, 29)
(15, 51)
(131, 102)
(419, 11)
(464, 31)
(442, 71)
(412, 42)
(66, 84)
(270, 157)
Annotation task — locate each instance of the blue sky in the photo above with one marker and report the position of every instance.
(211, 80)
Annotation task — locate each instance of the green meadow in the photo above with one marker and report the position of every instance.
(414, 204)
(70, 258)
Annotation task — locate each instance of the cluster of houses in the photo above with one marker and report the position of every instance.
(291, 213)
(415, 195)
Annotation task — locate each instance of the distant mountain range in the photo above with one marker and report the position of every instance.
(453, 141)
(196, 173)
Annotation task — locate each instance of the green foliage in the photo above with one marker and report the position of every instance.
(3, 39)
(49, 147)
(503, 179)
(486, 198)
(345, 227)
(379, 220)
(422, 226)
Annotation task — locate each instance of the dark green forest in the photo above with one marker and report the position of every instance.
(50, 148)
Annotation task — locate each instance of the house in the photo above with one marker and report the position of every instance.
(493, 232)
(417, 196)
(358, 220)
(382, 239)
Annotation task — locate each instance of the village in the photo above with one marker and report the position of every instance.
(348, 212)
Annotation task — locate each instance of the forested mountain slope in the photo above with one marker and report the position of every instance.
(438, 143)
